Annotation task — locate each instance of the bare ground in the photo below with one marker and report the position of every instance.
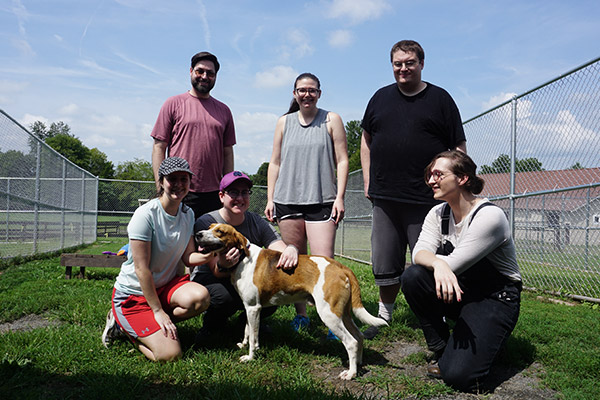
(503, 383)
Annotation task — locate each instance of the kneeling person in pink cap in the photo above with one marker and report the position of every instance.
(234, 193)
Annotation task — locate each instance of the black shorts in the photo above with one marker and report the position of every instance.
(308, 212)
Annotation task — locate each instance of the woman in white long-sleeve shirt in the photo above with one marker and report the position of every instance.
(464, 269)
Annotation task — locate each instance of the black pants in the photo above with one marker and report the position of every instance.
(224, 299)
(485, 318)
(201, 203)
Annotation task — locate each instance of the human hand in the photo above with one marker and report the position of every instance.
(288, 258)
(446, 283)
(337, 211)
(269, 209)
(229, 259)
(167, 327)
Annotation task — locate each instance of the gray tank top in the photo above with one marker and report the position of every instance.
(307, 168)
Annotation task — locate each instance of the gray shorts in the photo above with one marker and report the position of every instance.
(395, 225)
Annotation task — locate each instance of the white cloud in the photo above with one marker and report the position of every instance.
(497, 100)
(29, 119)
(251, 123)
(341, 38)
(358, 10)
(254, 133)
(69, 109)
(275, 77)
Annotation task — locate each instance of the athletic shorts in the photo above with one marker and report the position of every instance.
(133, 313)
(309, 212)
(395, 226)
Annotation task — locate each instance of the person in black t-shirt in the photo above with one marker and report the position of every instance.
(404, 126)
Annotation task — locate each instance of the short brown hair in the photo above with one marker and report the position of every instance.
(408, 46)
(460, 165)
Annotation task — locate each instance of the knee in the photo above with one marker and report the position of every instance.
(201, 299)
(459, 377)
(171, 353)
(412, 278)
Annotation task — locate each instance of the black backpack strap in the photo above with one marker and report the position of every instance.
(445, 219)
(487, 203)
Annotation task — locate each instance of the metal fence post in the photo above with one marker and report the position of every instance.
(63, 200)
(36, 206)
(513, 157)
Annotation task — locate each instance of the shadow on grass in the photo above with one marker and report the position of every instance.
(29, 382)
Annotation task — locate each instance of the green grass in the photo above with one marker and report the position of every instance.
(67, 360)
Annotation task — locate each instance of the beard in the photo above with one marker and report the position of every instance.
(203, 89)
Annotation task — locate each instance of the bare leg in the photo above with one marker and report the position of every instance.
(293, 231)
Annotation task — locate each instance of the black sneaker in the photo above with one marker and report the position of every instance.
(372, 331)
(112, 330)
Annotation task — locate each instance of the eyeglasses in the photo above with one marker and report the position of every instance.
(235, 193)
(438, 175)
(410, 64)
(312, 91)
(202, 71)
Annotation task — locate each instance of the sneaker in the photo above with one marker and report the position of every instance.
(112, 330)
(372, 331)
(332, 336)
(433, 368)
(300, 322)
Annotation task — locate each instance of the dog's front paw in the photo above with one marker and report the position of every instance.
(246, 358)
(347, 375)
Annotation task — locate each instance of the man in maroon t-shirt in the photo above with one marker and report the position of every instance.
(198, 128)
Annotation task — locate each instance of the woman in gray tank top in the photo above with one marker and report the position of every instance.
(307, 175)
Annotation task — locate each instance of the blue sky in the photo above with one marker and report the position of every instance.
(105, 67)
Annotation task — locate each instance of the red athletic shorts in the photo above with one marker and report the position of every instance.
(133, 313)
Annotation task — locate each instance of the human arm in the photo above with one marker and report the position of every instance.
(273, 170)
(289, 254)
(227, 159)
(159, 150)
(365, 159)
(462, 146)
(430, 238)
(141, 253)
(340, 145)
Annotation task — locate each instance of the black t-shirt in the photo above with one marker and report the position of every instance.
(406, 133)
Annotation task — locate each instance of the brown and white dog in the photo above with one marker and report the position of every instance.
(332, 287)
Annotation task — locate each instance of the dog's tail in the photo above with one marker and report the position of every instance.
(357, 306)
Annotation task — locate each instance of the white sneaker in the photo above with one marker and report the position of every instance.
(111, 329)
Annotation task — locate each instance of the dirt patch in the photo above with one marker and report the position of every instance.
(391, 371)
(27, 323)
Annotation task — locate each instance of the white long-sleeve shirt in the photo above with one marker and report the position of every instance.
(487, 235)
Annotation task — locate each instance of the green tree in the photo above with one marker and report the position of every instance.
(70, 147)
(501, 165)
(14, 163)
(99, 165)
(136, 170)
(260, 178)
(353, 135)
(577, 165)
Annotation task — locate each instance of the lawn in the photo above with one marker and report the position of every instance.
(66, 359)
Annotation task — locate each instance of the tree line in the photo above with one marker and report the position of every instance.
(58, 136)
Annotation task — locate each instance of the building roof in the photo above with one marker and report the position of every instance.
(538, 181)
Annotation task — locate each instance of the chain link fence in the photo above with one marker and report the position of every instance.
(47, 202)
(539, 154)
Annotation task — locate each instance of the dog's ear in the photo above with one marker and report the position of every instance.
(243, 242)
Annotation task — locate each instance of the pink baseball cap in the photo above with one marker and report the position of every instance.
(231, 177)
